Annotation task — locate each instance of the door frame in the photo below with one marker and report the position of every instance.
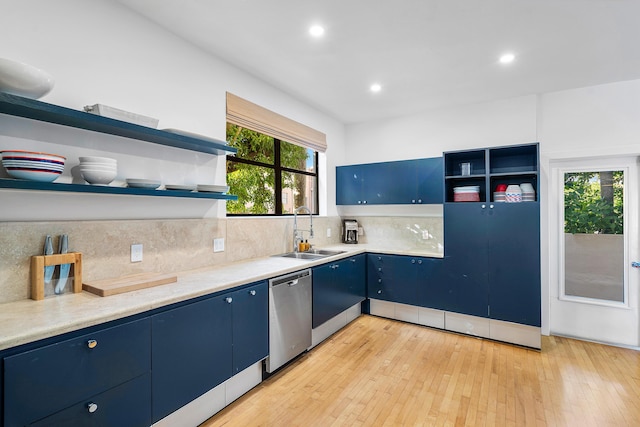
(587, 318)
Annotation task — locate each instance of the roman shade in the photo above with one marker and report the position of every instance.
(251, 116)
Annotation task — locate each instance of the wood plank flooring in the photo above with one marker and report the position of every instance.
(381, 372)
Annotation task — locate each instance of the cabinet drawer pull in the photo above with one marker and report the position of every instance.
(229, 300)
(419, 200)
(484, 206)
(379, 258)
(379, 291)
(379, 280)
(353, 260)
(413, 201)
(92, 407)
(252, 292)
(413, 261)
(419, 261)
(92, 343)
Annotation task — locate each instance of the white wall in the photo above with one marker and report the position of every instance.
(101, 52)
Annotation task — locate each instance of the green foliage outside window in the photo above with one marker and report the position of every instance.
(255, 183)
(593, 202)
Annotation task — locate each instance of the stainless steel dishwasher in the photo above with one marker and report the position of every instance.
(289, 317)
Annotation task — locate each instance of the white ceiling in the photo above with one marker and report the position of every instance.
(425, 53)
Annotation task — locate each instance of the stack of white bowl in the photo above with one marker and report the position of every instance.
(528, 192)
(32, 165)
(469, 193)
(513, 194)
(98, 170)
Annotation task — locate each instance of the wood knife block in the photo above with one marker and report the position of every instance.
(39, 262)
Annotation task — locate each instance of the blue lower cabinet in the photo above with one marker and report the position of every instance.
(432, 288)
(128, 405)
(47, 380)
(191, 353)
(250, 325)
(392, 278)
(336, 287)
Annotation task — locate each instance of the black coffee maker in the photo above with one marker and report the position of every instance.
(349, 231)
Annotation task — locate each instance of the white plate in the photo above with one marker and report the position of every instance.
(213, 188)
(180, 187)
(143, 183)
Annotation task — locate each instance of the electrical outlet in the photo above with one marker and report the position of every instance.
(425, 234)
(360, 231)
(328, 232)
(218, 245)
(136, 253)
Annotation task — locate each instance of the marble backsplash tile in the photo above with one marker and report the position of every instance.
(184, 244)
(403, 233)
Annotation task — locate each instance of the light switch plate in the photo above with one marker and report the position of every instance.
(360, 231)
(328, 232)
(218, 245)
(136, 253)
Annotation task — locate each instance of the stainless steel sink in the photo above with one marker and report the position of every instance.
(310, 254)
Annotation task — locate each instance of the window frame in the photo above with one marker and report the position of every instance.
(278, 170)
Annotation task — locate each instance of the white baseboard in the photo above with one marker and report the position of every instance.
(529, 336)
(515, 333)
(334, 324)
(204, 407)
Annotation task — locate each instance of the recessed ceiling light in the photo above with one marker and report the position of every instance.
(375, 88)
(316, 30)
(507, 58)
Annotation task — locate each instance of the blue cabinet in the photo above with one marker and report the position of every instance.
(492, 249)
(191, 350)
(466, 259)
(62, 377)
(202, 344)
(336, 287)
(416, 181)
(407, 280)
(128, 405)
(250, 310)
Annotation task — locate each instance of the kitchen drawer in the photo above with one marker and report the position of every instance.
(45, 380)
(128, 405)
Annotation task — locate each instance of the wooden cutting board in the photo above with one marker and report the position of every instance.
(134, 282)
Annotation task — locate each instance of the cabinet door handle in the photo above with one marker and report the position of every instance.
(379, 268)
(92, 343)
(379, 291)
(379, 280)
(353, 260)
(364, 202)
(413, 261)
(484, 206)
(419, 200)
(92, 407)
(419, 261)
(379, 258)
(359, 202)
(490, 206)
(252, 292)
(229, 300)
(413, 201)
(336, 266)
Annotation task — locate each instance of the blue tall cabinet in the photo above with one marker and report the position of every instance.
(492, 249)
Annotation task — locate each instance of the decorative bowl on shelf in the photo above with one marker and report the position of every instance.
(98, 170)
(33, 165)
(25, 80)
(149, 184)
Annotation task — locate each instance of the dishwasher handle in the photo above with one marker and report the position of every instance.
(291, 279)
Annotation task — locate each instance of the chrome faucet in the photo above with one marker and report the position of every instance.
(297, 234)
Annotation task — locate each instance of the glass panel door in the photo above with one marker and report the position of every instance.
(594, 257)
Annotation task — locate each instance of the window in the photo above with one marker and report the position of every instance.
(269, 176)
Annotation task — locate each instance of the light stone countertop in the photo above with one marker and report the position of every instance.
(27, 321)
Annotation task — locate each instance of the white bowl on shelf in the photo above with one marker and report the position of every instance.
(98, 177)
(22, 79)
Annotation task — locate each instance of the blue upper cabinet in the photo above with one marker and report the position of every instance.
(418, 181)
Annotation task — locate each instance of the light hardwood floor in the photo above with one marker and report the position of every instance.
(380, 372)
